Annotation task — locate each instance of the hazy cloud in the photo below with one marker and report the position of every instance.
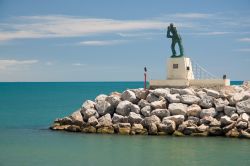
(192, 15)
(246, 39)
(7, 63)
(101, 42)
(209, 33)
(78, 64)
(65, 26)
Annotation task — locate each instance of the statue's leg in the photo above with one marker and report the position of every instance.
(173, 48)
(181, 47)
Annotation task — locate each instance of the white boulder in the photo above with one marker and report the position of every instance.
(177, 109)
(189, 99)
(207, 112)
(129, 96)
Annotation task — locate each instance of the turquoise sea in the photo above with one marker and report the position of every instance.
(27, 110)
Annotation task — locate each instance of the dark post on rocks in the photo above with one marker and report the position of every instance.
(145, 78)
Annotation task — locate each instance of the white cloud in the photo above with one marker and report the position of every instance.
(52, 26)
(65, 26)
(49, 63)
(145, 34)
(209, 33)
(192, 15)
(101, 42)
(6, 63)
(78, 64)
(246, 39)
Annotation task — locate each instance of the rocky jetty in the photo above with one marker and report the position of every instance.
(168, 111)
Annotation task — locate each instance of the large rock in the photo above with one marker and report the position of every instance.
(215, 131)
(73, 128)
(104, 121)
(64, 121)
(244, 117)
(100, 97)
(161, 104)
(229, 111)
(103, 107)
(152, 119)
(152, 129)
(178, 134)
(189, 99)
(146, 111)
(92, 121)
(161, 113)
(206, 120)
(88, 113)
(242, 125)
(173, 98)
(178, 119)
(195, 120)
(187, 91)
(237, 97)
(243, 106)
(177, 109)
(134, 118)
(212, 93)
(244, 134)
(119, 118)
(140, 93)
(89, 129)
(225, 120)
(169, 126)
(175, 91)
(207, 112)
(194, 110)
(189, 130)
(138, 129)
(202, 128)
(220, 104)
(215, 123)
(135, 108)
(201, 94)
(59, 127)
(228, 127)
(124, 128)
(125, 107)
(116, 94)
(233, 133)
(113, 100)
(151, 98)
(88, 104)
(77, 117)
(143, 103)
(206, 102)
(129, 96)
(234, 116)
(160, 92)
(187, 127)
(106, 130)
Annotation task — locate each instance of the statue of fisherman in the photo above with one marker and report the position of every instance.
(176, 38)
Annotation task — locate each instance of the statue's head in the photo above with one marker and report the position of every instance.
(171, 25)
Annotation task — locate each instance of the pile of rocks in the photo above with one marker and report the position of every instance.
(189, 111)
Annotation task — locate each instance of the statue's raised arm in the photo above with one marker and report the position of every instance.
(176, 38)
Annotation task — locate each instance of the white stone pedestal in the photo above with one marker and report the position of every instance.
(180, 75)
(179, 68)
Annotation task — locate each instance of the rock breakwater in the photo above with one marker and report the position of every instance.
(168, 111)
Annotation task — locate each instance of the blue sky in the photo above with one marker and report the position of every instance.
(112, 40)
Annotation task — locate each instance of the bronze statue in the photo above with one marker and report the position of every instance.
(176, 38)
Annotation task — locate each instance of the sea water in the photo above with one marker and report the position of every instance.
(28, 109)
